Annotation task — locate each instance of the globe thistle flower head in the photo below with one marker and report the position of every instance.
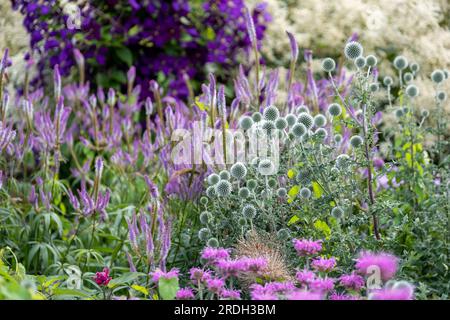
(335, 109)
(252, 184)
(337, 212)
(353, 50)
(441, 96)
(386, 263)
(213, 179)
(400, 63)
(299, 129)
(399, 113)
(414, 66)
(374, 87)
(356, 141)
(224, 175)
(242, 222)
(254, 162)
(238, 170)
(268, 127)
(305, 119)
(283, 234)
(301, 109)
(305, 193)
(266, 167)
(245, 122)
(371, 60)
(272, 183)
(223, 188)
(244, 193)
(425, 113)
(387, 81)
(321, 133)
(281, 192)
(271, 113)
(291, 119)
(338, 138)
(211, 191)
(328, 65)
(203, 234)
(213, 243)
(408, 77)
(249, 211)
(205, 217)
(360, 62)
(320, 120)
(342, 161)
(437, 76)
(281, 123)
(256, 117)
(412, 91)
(204, 201)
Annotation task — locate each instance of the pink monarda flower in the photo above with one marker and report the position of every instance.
(254, 265)
(215, 285)
(197, 274)
(185, 294)
(102, 278)
(304, 295)
(322, 285)
(158, 273)
(231, 267)
(304, 277)
(400, 291)
(323, 264)
(386, 263)
(214, 254)
(306, 247)
(342, 296)
(352, 281)
(230, 294)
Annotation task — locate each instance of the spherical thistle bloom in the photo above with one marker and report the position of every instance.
(268, 127)
(446, 73)
(257, 116)
(387, 81)
(322, 285)
(254, 162)
(304, 277)
(283, 234)
(400, 63)
(305, 119)
(212, 242)
(301, 109)
(305, 193)
(204, 233)
(337, 212)
(291, 119)
(352, 281)
(374, 87)
(441, 96)
(414, 66)
(184, 294)
(245, 122)
(249, 211)
(323, 264)
(242, 222)
(271, 113)
(353, 50)
(321, 133)
(338, 138)
(408, 77)
(320, 120)
(210, 191)
(213, 178)
(304, 295)
(412, 91)
(371, 60)
(102, 278)
(342, 161)
(385, 262)
(224, 175)
(437, 76)
(425, 113)
(238, 170)
(281, 123)
(223, 188)
(204, 201)
(158, 274)
(298, 130)
(252, 184)
(215, 285)
(230, 294)
(399, 113)
(281, 192)
(335, 109)
(205, 217)
(244, 193)
(266, 167)
(306, 247)
(356, 141)
(272, 183)
(360, 62)
(328, 65)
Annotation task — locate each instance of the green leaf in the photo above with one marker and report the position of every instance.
(293, 220)
(140, 289)
(168, 288)
(323, 227)
(126, 277)
(125, 55)
(317, 189)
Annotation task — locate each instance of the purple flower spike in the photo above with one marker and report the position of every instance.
(250, 26)
(294, 46)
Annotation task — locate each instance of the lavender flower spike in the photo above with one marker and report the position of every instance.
(294, 46)
(4, 61)
(250, 27)
(57, 82)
